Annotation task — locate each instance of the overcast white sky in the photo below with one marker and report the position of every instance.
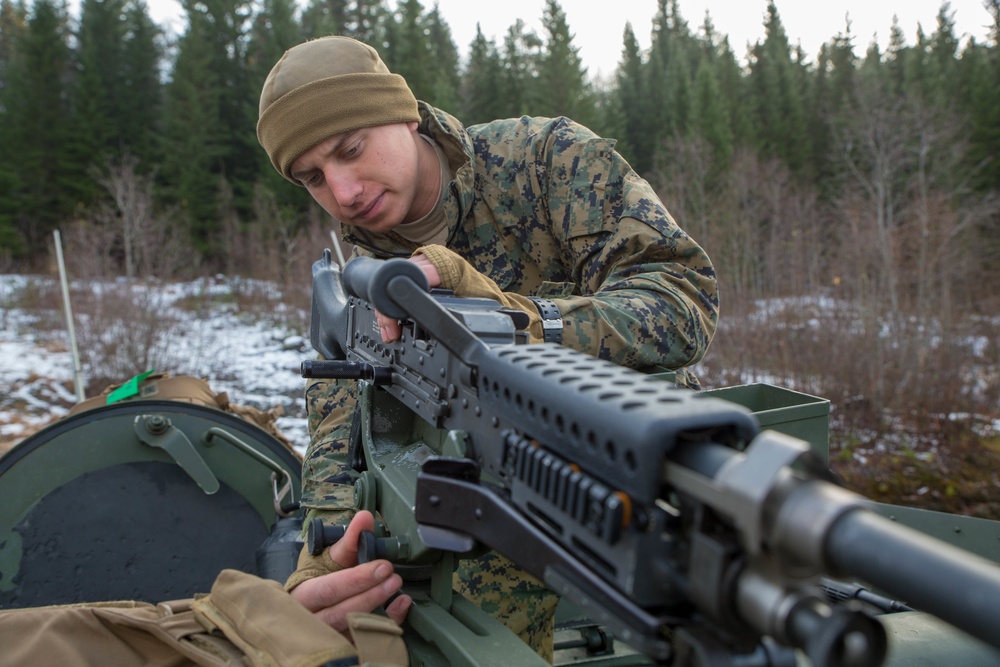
(598, 25)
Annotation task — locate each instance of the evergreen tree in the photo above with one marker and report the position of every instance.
(446, 77)
(367, 22)
(819, 124)
(943, 55)
(919, 72)
(13, 21)
(728, 74)
(324, 17)
(661, 120)
(193, 142)
(632, 106)
(710, 119)
(13, 25)
(561, 75)
(895, 59)
(408, 52)
(520, 64)
(981, 65)
(680, 95)
(832, 96)
(272, 32)
(231, 22)
(482, 82)
(44, 184)
(98, 90)
(205, 127)
(871, 65)
(674, 55)
(842, 98)
(141, 95)
(734, 86)
(776, 97)
(99, 98)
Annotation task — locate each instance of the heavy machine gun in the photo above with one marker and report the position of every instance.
(664, 514)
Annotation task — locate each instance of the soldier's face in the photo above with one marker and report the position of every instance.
(375, 177)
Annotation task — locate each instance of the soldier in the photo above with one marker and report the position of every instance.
(540, 214)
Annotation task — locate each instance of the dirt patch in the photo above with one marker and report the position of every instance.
(946, 463)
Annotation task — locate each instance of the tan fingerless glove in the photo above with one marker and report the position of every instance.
(463, 279)
(310, 566)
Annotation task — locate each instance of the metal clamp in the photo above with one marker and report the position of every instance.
(276, 470)
(157, 431)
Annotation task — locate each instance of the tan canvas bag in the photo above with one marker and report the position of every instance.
(245, 620)
(189, 389)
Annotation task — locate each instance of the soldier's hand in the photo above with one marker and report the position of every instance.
(389, 327)
(355, 588)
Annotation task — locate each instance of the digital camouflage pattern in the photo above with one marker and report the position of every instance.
(543, 207)
(515, 598)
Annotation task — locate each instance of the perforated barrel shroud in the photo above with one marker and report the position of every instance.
(610, 419)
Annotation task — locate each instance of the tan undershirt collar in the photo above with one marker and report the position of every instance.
(433, 227)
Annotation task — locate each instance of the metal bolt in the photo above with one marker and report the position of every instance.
(157, 424)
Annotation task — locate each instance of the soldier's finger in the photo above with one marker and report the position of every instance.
(330, 590)
(431, 271)
(388, 327)
(366, 600)
(398, 608)
(344, 551)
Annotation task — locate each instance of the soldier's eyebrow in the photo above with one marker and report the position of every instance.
(336, 142)
(339, 140)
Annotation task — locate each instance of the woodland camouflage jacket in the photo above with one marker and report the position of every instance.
(547, 208)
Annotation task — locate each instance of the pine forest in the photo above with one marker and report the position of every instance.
(854, 187)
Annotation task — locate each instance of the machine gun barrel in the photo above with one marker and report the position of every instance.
(813, 527)
(933, 576)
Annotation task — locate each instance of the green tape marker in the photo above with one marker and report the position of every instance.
(129, 389)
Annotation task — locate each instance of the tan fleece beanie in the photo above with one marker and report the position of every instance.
(324, 87)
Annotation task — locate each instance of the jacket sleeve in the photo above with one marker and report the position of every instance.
(646, 291)
(328, 479)
(647, 302)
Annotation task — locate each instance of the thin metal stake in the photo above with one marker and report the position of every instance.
(338, 249)
(77, 368)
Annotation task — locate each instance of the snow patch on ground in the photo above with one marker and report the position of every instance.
(254, 360)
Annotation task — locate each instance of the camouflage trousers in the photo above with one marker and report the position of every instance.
(492, 582)
(512, 596)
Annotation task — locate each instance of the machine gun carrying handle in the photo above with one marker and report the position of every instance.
(371, 279)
